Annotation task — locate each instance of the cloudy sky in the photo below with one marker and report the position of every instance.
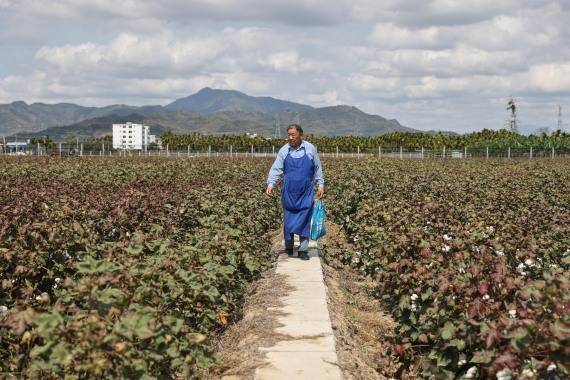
(431, 64)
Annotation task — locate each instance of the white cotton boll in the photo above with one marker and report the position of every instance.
(551, 367)
(462, 362)
(520, 267)
(512, 313)
(414, 297)
(500, 253)
(528, 372)
(57, 280)
(486, 297)
(3, 309)
(471, 373)
(504, 374)
(446, 237)
(529, 262)
(446, 248)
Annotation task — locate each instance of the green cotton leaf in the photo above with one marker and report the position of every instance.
(249, 263)
(212, 293)
(135, 249)
(90, 265)
(443, 360)
(404, 302)
(138, 324)
(483, 357)
(196, 338)
(176, 324)
(110, 296)
(560, 330)
(47, 324)
(187, 276)
(173, 351)
(40, 351)
(228, 269)
(425, 295)
(458, 343)
(60, 355)
(448, 331)
(43, 365)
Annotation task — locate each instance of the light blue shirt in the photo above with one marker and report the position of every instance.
(307, 148)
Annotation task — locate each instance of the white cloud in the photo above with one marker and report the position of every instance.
(390, 36)
(327, 98)
(387, 86)
(288, 61)
(550, 78)
(130, 54)
(455, 62)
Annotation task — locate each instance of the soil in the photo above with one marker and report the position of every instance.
(362, 329)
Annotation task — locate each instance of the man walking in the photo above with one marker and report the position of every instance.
(300, 166)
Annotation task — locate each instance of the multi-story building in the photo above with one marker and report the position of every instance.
(131, 136)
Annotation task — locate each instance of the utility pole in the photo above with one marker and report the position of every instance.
(277, 132)
(511, 106)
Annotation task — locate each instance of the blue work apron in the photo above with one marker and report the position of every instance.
(297, 195)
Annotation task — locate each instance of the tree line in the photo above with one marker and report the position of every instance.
(492, 139)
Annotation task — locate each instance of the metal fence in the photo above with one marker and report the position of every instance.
(71, 150)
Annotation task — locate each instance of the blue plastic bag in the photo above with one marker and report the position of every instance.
(318, 229)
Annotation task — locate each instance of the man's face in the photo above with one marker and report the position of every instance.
(294, 137)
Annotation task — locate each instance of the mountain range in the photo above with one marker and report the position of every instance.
(209, 111)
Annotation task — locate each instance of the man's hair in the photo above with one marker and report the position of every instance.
(295, 126)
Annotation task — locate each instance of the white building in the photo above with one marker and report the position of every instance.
(131, 136)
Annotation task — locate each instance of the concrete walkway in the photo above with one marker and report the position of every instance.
(304, 317)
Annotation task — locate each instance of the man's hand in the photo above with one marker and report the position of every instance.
(269, 191)
(320, 192)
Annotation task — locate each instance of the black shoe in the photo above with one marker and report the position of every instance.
(303, 255)
(289, 252)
